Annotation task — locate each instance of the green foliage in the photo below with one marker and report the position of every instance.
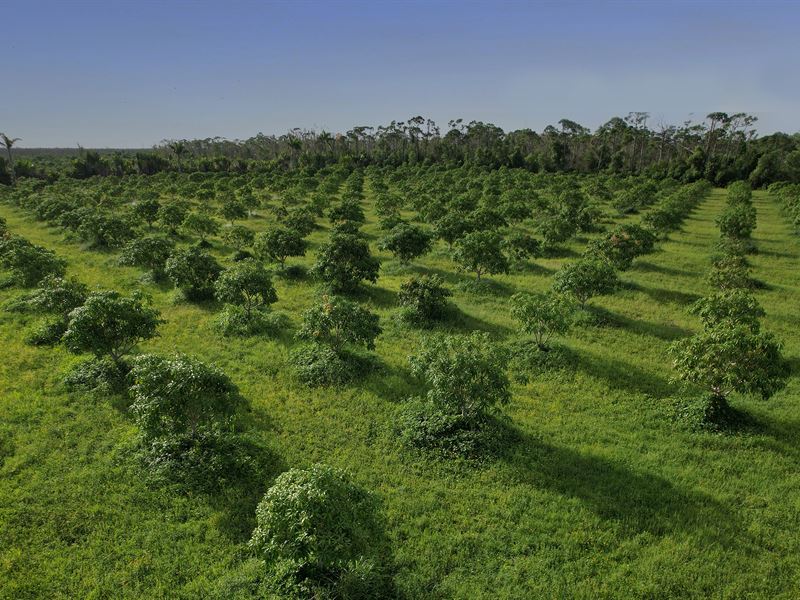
(481, 252)
(407, 242)
(731, 307)
(232, 209)
(321, 536)
(300, 220)
(585, 278)
(171, 215)
(731, 358)
(56, 295)
(465, 375)
(246, 284)
(452, 226)
(622, 245)
(730, 272)
(278, 243)
(194, 272)
(147, 210)
(345, 261)
(235, 321)
(335, 321)
(110, 324)
(522, 246)
(102, 376)
(321, 366)
(347, 211)
(149, 253)
(200, 224)
(29, 264)
(543, 315)
(102, 230)
(178, 395)
(423, 299)
(555, 229)
(737, 222)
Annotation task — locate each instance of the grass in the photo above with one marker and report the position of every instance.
(601, 495)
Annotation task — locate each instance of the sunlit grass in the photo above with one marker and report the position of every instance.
(601, 495)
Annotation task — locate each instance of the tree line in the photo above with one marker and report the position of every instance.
(721, 149)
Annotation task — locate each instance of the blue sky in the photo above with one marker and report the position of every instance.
(129, 74)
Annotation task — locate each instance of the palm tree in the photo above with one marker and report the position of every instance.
(8, 142)
(178, 148)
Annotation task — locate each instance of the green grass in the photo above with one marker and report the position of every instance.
(602, 494)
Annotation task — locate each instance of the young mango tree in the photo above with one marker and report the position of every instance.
(481, 252)
(423, 299)
(543, 316)
(730, 358)
(345, 261)
(110, 324)
(276, 244)
(28, 263)
(149, 253)
(200, 224)
(586, 278)
(407, 242)
(193, 271)
(246, 284)
(177, 396)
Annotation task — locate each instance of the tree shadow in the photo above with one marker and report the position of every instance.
(561, 252)
(486, 287)
(648, 267)
(375, 295)
(457, 321)
(664, 295)
(662, 331)
(621, 375)
(637, 502)
(778, 436)
(532, 268)
(237, 499)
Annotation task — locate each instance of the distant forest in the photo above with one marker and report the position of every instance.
(721, 149)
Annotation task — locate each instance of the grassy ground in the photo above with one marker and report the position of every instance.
(602, 494)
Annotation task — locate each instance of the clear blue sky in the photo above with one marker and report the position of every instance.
(128, 74)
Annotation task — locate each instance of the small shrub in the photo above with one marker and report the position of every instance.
(335, 321)
(320, 536)
(29, 264)
(585, 278)
(423, 299)
(407, 242)
(235, 321)
(543, 315)
(194, 272)
(345, 261)
(102, 376)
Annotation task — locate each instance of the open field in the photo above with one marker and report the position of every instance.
(601, 493)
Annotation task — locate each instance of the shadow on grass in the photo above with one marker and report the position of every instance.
(662, 331)
(662, 295)
(377, 296)
(532, 268)
(637, 501)
(457, 321)
(237, 499)
(620, 374)
(648, 267)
